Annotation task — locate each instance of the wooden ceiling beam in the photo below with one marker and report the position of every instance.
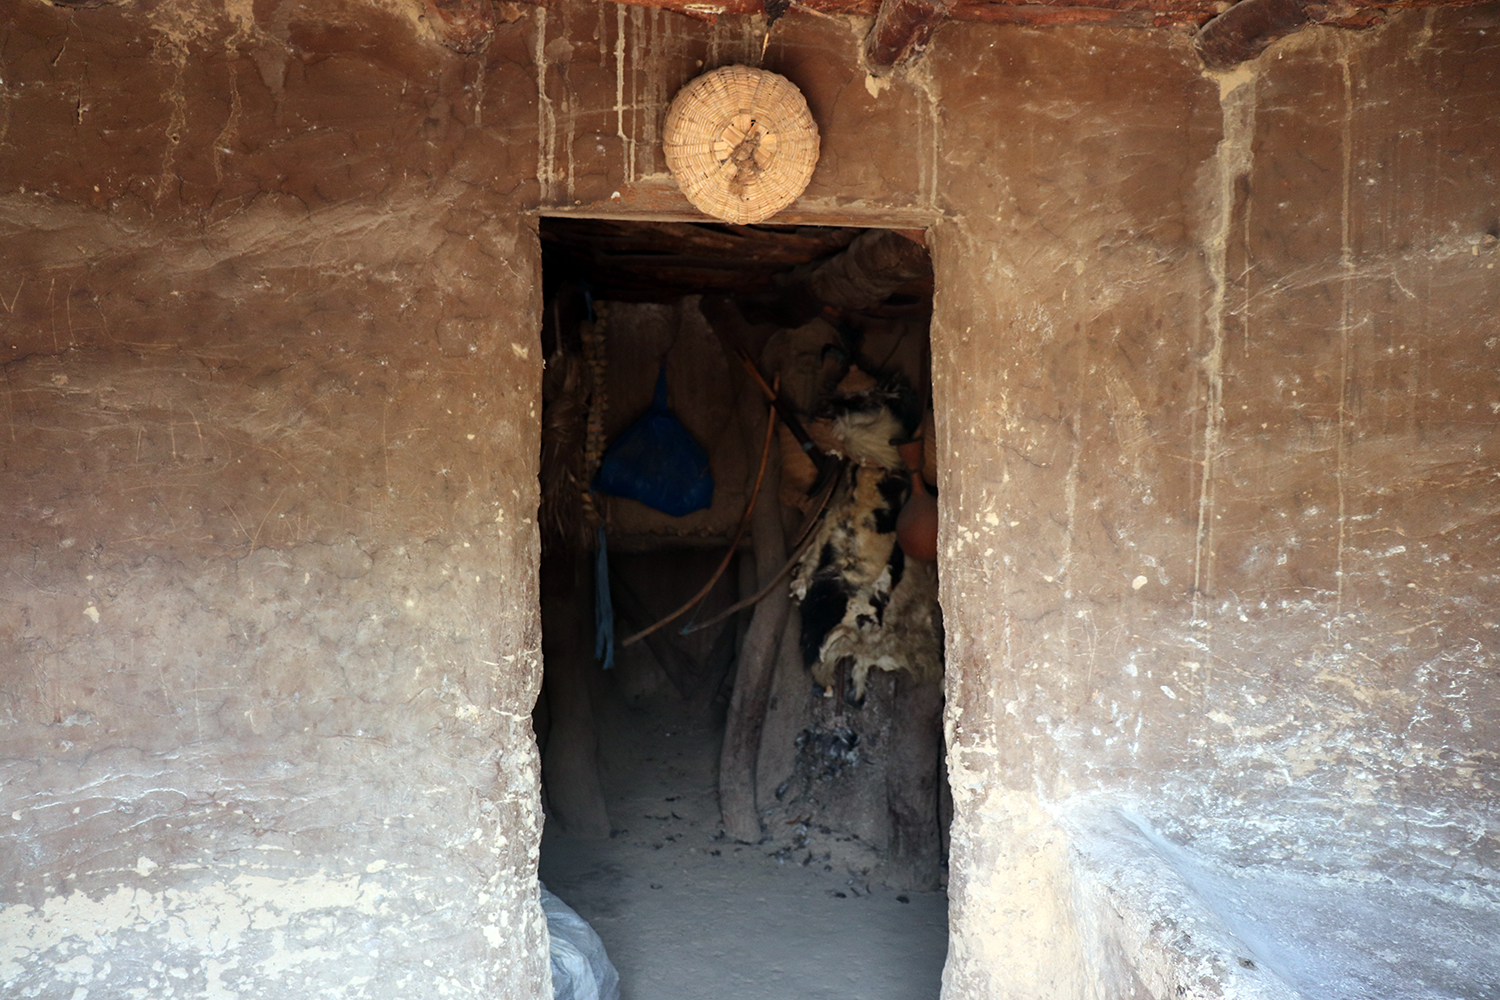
(1243, 31)
(902, 28)
(1040, 13)
(1100, 13)
(1048, 13)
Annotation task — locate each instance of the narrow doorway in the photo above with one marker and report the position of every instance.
(747, 799)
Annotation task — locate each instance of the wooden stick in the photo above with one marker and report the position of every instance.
(803, 541)
(760, 475)
(786, 412)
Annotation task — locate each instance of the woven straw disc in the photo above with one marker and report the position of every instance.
(740, 143)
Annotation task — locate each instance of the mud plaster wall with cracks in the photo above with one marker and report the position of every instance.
(1221, 550)
(1213, 362)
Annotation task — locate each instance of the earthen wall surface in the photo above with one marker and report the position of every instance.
(1220, 537)
(1214, 367)
(269, 630)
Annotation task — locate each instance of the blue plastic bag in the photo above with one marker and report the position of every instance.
(657, 462)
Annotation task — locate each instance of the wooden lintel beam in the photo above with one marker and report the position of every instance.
(1051, 13)
(1243, 31)
(1037, 13)
(1102, 13)
(901, 29)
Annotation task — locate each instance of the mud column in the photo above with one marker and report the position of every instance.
(269, 617)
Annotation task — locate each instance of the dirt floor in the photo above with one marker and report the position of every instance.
(687, 914)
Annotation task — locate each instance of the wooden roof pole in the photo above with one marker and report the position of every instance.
(1244, 31)
(902, 29)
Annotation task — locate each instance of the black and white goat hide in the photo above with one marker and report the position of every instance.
(865, 606)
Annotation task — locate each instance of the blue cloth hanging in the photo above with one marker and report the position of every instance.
(604, 610)
(657, 462)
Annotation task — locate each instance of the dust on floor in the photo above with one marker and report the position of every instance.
(688, 915)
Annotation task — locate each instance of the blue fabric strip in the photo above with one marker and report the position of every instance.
(604, 611)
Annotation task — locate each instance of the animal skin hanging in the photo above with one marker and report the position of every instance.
(864, 604)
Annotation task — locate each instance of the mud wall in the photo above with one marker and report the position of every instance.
(1220, 544)
(267, 598)
(1214, 372)
(606, 72)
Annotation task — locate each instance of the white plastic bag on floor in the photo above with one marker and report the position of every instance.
(580, 968)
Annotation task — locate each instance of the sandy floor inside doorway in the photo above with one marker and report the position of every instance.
(686, 915)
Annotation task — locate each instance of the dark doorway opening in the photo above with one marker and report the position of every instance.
(749, 802)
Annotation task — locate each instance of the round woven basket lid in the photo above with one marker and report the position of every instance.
(741, 143)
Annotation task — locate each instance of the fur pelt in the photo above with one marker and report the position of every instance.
(864, 605)
(865, 418)
(868, 436)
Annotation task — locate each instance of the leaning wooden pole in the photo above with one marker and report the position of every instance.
(757, 660)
